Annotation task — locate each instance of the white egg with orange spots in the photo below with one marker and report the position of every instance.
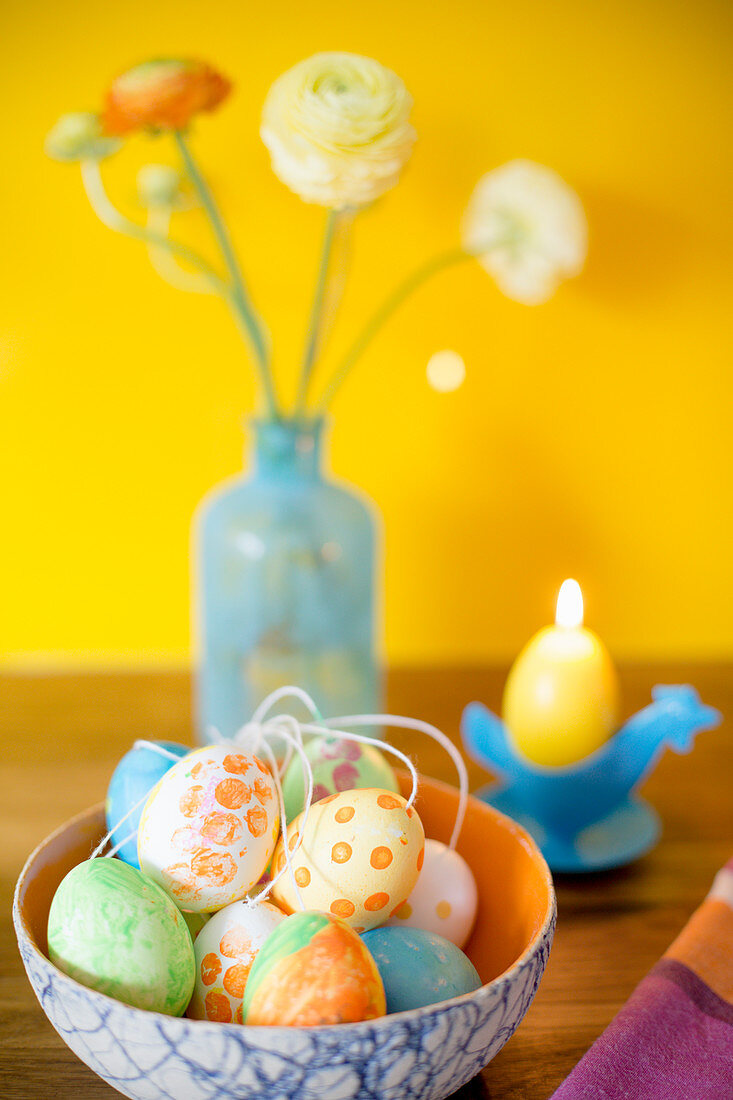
(361, 855)
(225, 950)
(209, 828)
(445, 897)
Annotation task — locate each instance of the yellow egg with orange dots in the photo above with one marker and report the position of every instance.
(361, 855)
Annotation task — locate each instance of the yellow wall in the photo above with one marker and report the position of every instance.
(592, 436)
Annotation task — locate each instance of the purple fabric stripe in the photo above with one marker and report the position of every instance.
(661, 1046)
(701, 995)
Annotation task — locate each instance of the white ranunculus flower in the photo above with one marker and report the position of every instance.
(337, 129)
(527, 228)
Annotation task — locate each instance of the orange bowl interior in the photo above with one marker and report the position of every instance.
(514, 884)
(515, 889)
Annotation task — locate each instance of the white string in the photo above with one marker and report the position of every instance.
(142, 744)
(120, 844)
(431, 731)
(158, 748)
(253, 736)
(283, 693)
(288, 866)
(103, 842)
(295, 744)
(290, 691)
(331, 731)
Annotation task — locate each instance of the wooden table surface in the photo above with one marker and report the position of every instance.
(61, 737)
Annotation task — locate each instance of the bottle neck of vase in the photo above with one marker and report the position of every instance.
(287, 449)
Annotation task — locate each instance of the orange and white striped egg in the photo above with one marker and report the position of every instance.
(225, 950)
(361, 855)
(209, 827)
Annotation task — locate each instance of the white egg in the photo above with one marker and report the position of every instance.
(209, 828)
(445, 898)
(225, 950)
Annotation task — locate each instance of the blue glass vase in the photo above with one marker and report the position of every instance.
(284, 585)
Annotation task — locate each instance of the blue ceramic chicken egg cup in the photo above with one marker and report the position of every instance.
(588, 816)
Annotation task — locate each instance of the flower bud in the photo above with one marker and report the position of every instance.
(158, 185)
(78, 136)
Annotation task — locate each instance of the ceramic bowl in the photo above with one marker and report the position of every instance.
(424, 1053)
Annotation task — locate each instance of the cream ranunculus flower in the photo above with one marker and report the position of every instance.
(527, 228)
(337, 129)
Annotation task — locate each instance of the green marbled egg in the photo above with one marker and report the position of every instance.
(338, 765)
(114, 930)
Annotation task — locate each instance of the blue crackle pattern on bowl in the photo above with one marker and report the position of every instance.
(426, 1057)
(425, 1053)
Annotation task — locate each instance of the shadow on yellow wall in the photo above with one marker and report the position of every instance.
(592, 434)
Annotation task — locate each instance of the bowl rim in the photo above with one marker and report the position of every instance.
(545, 931)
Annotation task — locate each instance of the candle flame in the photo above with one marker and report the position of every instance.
(569, 610)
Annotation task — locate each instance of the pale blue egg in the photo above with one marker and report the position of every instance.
(419, 968)
(134, 777)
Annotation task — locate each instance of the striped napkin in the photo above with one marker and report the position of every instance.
(673, 1039)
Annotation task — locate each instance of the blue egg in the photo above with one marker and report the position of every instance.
(134, 777)
(419, 968)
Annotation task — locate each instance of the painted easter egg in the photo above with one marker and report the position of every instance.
(132, 780)
(209, 828)
(338, 765)
(444, 898)
(313, 970)
(225, 951)
(361, 855)
(418, 967)
(114, 930)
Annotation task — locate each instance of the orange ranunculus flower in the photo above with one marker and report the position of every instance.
(162, 95)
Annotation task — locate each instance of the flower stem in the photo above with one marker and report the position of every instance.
(110, 216)
(390, 305)
(164, 263)
(315, 324)
(249, 322)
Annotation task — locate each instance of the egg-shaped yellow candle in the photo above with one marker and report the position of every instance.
(561, 696)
